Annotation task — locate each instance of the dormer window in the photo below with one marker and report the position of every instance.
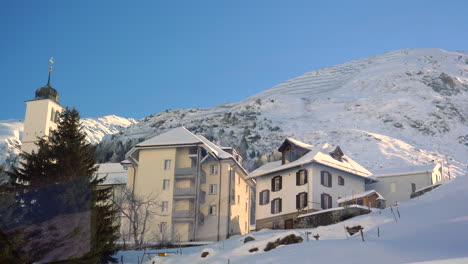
(289, 155)
(337, 154)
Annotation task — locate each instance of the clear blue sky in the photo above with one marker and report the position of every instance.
(135, 58)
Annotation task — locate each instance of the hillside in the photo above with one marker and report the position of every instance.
(430, 229)
(95, 129)
(404, 107)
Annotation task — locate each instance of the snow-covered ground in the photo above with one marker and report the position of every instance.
(432, 229)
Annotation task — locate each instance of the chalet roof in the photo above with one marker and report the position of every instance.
(182, 136)
(115, 172)
(406, 170)
(294, 142)
(176, 136)
(319, 155)
(359, 195)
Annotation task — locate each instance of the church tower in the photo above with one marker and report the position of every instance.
(41, 115)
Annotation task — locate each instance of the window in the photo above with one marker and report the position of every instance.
(162, 227)
(301, 177)
(392, 187)
(214, 169)
(276, 225)
(360, 202)
(238, 199)
(301, 200)
(326, 201)
(166, 184)
(276, 183)
(213, 189)
(276, 206)
(264, 197)
(52, 115)
(340, 180)
(165, 207)
(212, 210)
(413, 187)
(326, 178)
(246, 188)
(238, 179)
(167, 164)
(246, 206)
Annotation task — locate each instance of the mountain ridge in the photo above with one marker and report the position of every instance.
(404, 107)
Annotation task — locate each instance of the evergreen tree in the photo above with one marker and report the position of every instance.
(60, 179)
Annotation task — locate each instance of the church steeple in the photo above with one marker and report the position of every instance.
(47, 92)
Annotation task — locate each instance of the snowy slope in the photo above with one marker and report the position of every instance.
(95, 129)
(405, 107)
(431, 229)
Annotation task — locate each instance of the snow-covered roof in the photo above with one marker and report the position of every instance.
(176, 136)
(318, 154)
(359, 195)
(115, 173)
(182, 136)
(300, 144)
(406, 170)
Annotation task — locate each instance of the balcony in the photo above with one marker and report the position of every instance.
(185, 172)
(184, 191)
(178, 214)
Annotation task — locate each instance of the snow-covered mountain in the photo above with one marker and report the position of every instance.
(95, 129)
(404, 107)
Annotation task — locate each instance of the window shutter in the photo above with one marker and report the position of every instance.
(322, 177)
(322, 200)
(329, 180)
(272, 209)
(298, 200)
(329, 201)
(261, 197)
(280, 183)
(305, 176)
(298, 175)
(273, 184)
(280, 205)
(268, 196)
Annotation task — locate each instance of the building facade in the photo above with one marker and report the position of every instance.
(397, 184)
(307, 179)
(203, 190)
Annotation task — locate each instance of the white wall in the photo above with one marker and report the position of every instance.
(353, 184)
(402, 186)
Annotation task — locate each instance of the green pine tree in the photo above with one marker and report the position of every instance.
(59, 179)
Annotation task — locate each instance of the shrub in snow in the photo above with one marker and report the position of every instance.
(253, 249)
(353, 230)
(291, 239)
(248, 239)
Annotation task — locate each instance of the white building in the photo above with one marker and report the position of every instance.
(307, 179)
(203, 189)
(397, 184)
(41, 116)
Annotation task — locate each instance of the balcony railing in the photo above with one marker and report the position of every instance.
(184, 191)
(183, 214)
(184, 172)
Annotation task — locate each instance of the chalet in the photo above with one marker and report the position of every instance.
(398, 184)
(306, 179)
